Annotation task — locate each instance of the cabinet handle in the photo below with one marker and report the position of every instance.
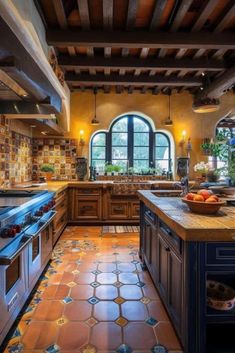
(118, 208)
(167, 249)
(87, 208)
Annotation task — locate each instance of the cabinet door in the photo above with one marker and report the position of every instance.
(87, 208)
(154, 254)
(147, 243)
(135, 210)
(175, 289)
(163, 267)
(118, 210)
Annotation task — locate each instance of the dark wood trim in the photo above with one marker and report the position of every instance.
(140, 80)
(222, 83)
(127, 63)
(26, 108)
(117, 39)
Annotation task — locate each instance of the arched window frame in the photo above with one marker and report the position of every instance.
(152, 141)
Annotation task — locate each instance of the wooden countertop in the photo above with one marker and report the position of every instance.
(191, 226)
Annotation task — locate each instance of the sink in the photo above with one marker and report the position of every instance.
(167, 193)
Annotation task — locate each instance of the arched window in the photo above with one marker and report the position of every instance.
(131, 142)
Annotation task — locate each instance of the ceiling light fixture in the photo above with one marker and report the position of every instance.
(205, 105)
(168, 121)
(95, 121)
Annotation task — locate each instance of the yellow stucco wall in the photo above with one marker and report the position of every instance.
(109, 106)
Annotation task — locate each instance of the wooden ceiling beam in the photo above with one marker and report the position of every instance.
(140, 80)
(221, 84)
(205, 13)
(157, 14)
(230, 14)
(108, 25)
(117, 39)
(84, 14)
(128, 63)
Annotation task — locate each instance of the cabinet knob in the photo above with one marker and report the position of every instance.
(167, 249)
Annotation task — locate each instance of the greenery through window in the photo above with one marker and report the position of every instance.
(131, 143)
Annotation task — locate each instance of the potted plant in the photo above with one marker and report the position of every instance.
(109, 169)
(201, 168)
(116, 169)
(48, 170)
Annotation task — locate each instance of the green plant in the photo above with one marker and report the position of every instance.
(47, 168)
(109, 168)
(117, 168)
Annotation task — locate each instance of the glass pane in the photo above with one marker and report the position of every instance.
(162, 152)
(121, 163)
(120, 125)
(140, 125)
(141, 153)
(119, 139)
(99, 139)
(141, 139)
(99, 164)
(161, 140)
(119, 152)
(140, 165)
(98, 153)
(162, 164)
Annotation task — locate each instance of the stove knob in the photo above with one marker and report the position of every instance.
(45, 209)
(12, 232)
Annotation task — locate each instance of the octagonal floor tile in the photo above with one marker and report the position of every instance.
(143, 341)
(73, 335)
(106, 292)
(134, 311)
(106, 311)
(78, 311)
(106, 336)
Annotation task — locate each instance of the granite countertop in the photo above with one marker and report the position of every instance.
(191, 226)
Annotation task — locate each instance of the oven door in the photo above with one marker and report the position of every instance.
(13, 283)
(34, 259)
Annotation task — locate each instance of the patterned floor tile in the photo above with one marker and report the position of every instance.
(94, 298)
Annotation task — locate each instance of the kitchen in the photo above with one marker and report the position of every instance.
(114, 114)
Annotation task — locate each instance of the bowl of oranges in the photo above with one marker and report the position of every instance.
(204, 202)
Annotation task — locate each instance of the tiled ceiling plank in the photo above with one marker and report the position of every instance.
(130, 24)
(108, 25)
(184, 6)
(83, 9)
(62, 20)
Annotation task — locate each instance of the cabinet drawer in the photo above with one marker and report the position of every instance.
(87, 209)
(135, 209)
(118, 210)
(149, 215)
(220, 253)
(169, 236)
(88, 191)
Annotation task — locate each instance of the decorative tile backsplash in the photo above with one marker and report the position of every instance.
(21, 156)
(15, 155)
(59, 152)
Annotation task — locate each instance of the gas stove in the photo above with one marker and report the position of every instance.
(19, 210)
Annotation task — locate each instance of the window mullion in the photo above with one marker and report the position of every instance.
(130, 141)
(108, 147)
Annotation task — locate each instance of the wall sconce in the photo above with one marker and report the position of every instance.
(81, 141)
(182, 141)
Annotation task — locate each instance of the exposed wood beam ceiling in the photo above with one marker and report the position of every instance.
(139, 44)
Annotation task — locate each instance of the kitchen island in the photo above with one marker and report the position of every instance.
(182, 251)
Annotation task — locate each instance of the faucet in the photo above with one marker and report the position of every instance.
(184, 185)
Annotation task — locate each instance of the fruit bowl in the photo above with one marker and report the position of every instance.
(203, 207)
(220, 296)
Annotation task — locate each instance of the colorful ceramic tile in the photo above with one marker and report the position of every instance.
(140, 284)
(118, 284)
(159, 349)
(95, 284)
(145, 300)
(93, 300)
(124, 348)
(67, 300)
(89, 349)
(61, 321)
(119, 300)
(121, 321)
(71, 284)
(91, 322)
(52, 349)
(96, 272)
(117, 272)
(151, 321)
(135, 262)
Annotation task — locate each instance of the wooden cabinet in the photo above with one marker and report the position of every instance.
(61, 218)
(135, 210)
(118, 210)
(86, 204)
(161, 251)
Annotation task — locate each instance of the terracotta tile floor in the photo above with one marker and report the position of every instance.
(94, 297)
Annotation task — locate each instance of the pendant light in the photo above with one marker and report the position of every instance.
(95, 121)
(168, 121)
(205, 105)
